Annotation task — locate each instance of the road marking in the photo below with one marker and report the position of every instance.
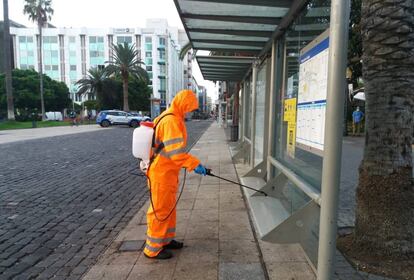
(12, 203)
(98, 210)
(13, 217)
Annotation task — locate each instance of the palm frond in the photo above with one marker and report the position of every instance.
(140, 74)
(125, 60)
(93, 83)
(39, 11)
(185, 49)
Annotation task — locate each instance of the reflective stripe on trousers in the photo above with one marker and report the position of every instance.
(154, 245)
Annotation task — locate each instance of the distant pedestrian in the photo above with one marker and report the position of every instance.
(72, 115)
(357, 117)
(89, 117)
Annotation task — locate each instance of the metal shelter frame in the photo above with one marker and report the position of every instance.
(240, 34)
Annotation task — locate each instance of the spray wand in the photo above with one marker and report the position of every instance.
(233, 182)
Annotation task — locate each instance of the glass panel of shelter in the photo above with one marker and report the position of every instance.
(306, 164)
(311, 23)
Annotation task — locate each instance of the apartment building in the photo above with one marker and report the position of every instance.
(68, 53)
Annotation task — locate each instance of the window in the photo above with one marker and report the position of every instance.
(51, 56)
(162, 54)
(148, 54)
(73, 68)
(148, 43)
(73, 75)
(96, 50)
(162, 41)
(162, 84)
(149, 68)
(148, 61)
(72, 39)
(162, 69)
(26, 48)
(124, 39)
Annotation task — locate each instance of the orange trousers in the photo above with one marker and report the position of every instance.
(161, 230)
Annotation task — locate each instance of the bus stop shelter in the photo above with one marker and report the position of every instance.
(289, 60)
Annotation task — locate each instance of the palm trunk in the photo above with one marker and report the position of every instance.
(125, 92)
(7, 62)
(385, 194)
(42, 102)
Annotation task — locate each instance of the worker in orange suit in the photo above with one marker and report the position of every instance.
(169, 156)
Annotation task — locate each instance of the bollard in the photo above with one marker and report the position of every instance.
(34, 124)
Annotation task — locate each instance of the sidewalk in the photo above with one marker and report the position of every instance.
(213, 222)
(8, 136)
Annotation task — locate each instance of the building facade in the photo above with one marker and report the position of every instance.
(68, 53)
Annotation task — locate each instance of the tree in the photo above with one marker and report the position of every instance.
(27, 95)
(125, 61)
(39, 11)
(385, 193)
(93, 83)
(7, 61)
(355, 42)
(139, 94)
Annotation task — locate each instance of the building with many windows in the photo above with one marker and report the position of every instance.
(68, 53)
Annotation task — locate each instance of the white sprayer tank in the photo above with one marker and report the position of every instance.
(142, 141)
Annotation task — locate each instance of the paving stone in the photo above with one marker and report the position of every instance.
(154, 271)
(191, 271)
(199, 251)
(131, 245)
(202, 203)
(237, 271)
(202, 230)
(238, 251)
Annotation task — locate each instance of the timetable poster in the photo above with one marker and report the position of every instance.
(312, 92)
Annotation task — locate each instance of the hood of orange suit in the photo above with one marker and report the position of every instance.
(184, 102)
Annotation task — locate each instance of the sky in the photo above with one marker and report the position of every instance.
(106, 13)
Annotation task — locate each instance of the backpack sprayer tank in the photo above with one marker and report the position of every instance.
(142, 143)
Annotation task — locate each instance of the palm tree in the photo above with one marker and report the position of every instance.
(7, 62)
(385, 193)
(125, 61)
(39, 11)
(93, 83)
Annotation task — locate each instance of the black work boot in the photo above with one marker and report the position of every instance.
(163, 255)
(174, 245)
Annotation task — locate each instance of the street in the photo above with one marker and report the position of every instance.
(64, 199)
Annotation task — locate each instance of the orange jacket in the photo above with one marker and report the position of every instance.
(172, 132)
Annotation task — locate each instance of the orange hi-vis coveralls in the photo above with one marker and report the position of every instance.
(164, 171)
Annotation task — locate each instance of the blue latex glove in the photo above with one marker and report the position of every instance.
(200, 170)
